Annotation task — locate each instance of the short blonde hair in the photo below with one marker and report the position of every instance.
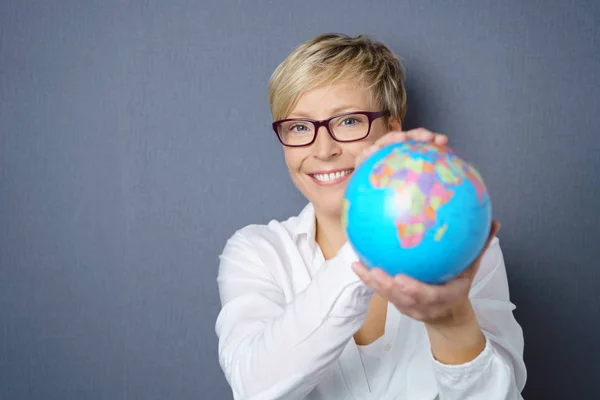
(331, 57)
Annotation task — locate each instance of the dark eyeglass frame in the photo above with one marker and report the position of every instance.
(371, 116)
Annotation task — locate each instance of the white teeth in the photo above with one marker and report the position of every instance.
(331, 176)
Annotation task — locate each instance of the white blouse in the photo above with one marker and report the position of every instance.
(370, 355)
(288, 318)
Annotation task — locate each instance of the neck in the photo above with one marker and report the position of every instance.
(329, 235)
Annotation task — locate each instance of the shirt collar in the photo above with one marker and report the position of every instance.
(306, 224)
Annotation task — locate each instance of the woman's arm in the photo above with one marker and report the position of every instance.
(482, 356)
(272, 349)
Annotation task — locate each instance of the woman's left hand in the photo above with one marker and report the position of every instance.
(445, 304)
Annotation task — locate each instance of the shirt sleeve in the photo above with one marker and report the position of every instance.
(270, 348)
(498, 372)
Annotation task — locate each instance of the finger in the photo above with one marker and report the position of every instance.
(414, 291)
(472, 269)
(422, 301)
(407, 306)
(402, 300)
(424, 135)
(388, 138)
(428, 295)
(420, 134)
(374, 278)
(361, 270)
(494, 229)
(454, 289)
(366, 153)
(440, 139)
(391, 137)
(382, 282)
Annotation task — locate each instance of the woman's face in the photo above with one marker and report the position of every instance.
(321, 170)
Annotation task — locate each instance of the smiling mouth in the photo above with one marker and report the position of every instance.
(328, 178)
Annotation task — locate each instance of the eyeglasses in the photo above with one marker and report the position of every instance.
(347, 127)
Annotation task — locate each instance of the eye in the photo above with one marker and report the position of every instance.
(349, 121)
(298, 128)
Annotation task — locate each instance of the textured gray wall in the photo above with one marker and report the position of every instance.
(134, 139)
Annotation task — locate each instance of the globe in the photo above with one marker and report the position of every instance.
(417, 209)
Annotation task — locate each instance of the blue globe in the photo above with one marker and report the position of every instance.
(417, 209)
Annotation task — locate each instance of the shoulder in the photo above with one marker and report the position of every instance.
(257, 237)
(258, 256)
(267, 247)
(275, 233)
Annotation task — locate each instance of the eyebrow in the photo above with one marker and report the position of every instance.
(335, 111)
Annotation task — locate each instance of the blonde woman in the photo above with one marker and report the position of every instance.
(301, 317)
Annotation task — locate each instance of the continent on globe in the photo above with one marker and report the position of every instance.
(439, 234)
(428, 181)
(345, 209)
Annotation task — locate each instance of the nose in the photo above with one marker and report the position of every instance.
(324, 146)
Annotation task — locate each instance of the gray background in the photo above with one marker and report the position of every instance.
(135, 138)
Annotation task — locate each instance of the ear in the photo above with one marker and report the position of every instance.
(394, 124)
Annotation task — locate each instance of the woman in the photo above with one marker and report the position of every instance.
(301, 317)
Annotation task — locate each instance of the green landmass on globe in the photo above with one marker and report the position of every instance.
(345, 209)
